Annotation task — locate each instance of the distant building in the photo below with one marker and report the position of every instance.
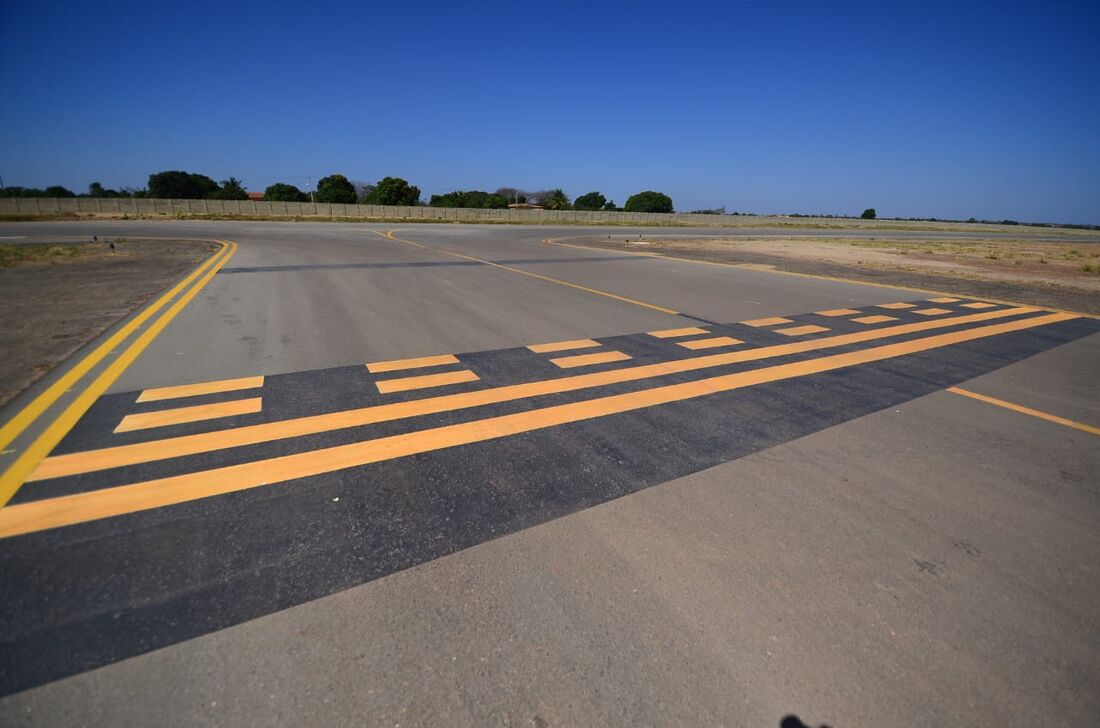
(256, 196)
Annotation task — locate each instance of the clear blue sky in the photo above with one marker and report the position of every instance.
(923, 109)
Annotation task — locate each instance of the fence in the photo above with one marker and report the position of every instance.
(249, 208)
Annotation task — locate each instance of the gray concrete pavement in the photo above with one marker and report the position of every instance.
(859, 547)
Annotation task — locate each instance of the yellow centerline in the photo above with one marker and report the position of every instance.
(119, 500)
(390, 235)
(1025, 410)
(23, 419)
(25, 464)
(835, 279)
(142, 452)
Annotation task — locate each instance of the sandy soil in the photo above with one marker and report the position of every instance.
(57, 298)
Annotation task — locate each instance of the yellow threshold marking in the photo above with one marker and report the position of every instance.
(143, 452)
(1025, 410)
(838, 312)
(563, 346)
(802, 330)
(944, 299)
(397, 365)
(896, 305)
(405, 384)
(710, 343)
(979, 304)
(390, 235)
(675, 333)
(932, 311)
(584, 360)
(194, 390)
(22, 419)
(104, 503)
(773, 321)
(874, 319)
(25, 464)
(197, 413)
(836, 279)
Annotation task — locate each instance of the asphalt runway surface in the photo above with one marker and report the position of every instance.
(378, 474)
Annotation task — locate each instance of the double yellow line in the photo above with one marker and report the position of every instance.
(16, 474)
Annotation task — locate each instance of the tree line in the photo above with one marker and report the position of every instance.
(337, 188)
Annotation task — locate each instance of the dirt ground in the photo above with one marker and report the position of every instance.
(55, 298)
(1064, 275)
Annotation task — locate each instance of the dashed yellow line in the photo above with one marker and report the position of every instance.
(196, 413)
(838, 312)
(107, 502)
(585, 360)
(143, 452)
(26, 463)
(563, 346)
(773, 321)
(676, 333)
(195, 390)
(801, 330)
(713, 343)
(396, 365)
(407, 384)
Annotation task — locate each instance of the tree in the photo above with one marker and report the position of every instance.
(869, 214)
(591, 201)
(556, 200)
(513, 195)
(58, 191)
(231, 189)
(282, 192)
(610, 206)
(335, 188)
(649, 201)
(177, 185)
(393, 191)
(474, 199)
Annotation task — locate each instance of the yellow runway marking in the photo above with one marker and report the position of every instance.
(397, 365)
(390, 235)
(674, 333)
(979, 304)
(773, 321)
(802, 330)
(563, 346)
(584, 360)
(874, 319)
(838, 312)
(896, 305)
(944, 299)
(25, 464)
(107, 502)
(22, 419)
(1026, 410)
(775, 271)
(932, 311)
(143, 452)
(710, 343)
(194, 390)
(406, 384)
(197, 413)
